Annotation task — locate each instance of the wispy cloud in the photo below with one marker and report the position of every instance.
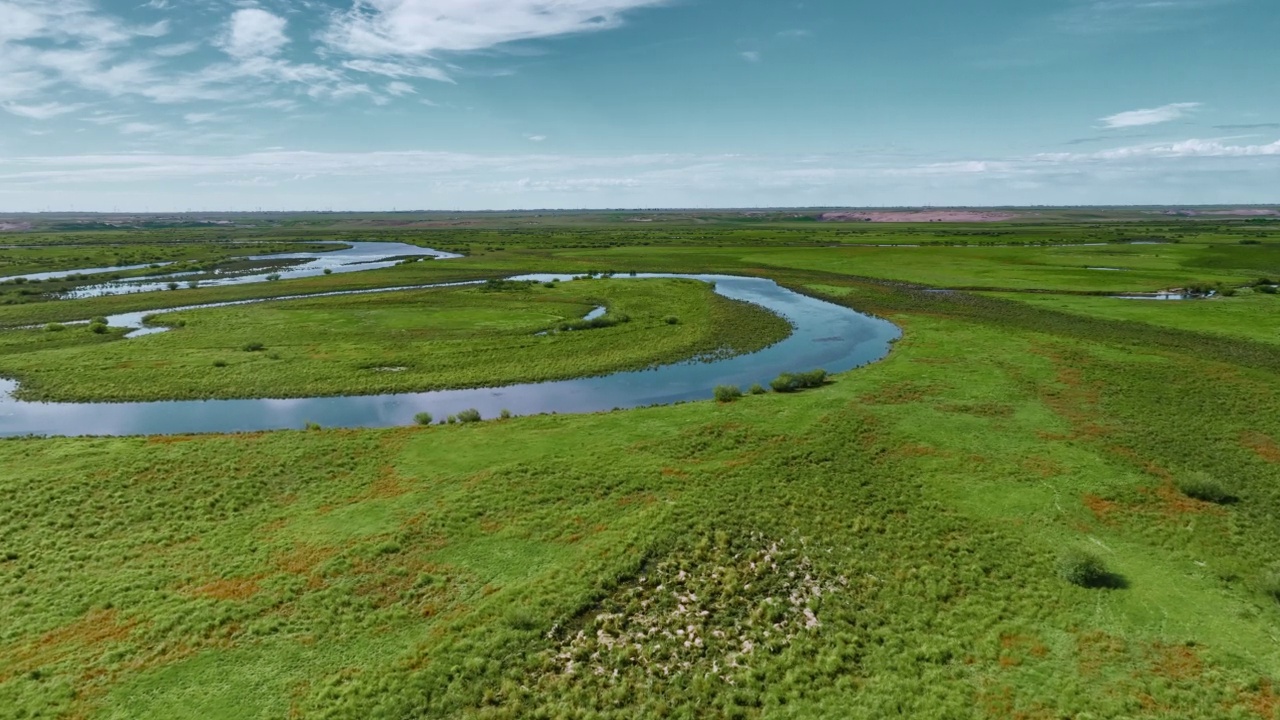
(751, 56)
(42, 111)
(1149, 116)
(1091, 17)
(56, 46)
(1250, 126)
(424, 28)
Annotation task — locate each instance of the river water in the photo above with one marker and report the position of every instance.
(828, 336)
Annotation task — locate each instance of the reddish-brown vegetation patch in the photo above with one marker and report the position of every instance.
(90, 633)
(1102, 509)
(228, 589)
(1042, 466)
(899, 393)
(1097, 649)
(390, 484)
(1264, 702)
(1176, 662)
(917, 216)
(1261, 445)
(1167, 500)
(981, 409)
(169, 439)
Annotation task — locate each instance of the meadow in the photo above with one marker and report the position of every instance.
(888, 545)
(418, 340)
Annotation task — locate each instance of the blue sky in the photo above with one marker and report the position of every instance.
(474, 104)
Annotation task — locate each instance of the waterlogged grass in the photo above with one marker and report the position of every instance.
(1248, 314)
(1025, 511)
(402, 341)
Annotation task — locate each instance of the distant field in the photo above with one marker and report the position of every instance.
(898, 543)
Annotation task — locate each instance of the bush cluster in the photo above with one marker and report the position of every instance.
(792, 382)
(1083, 568)
(727, 393)
(1203, 487)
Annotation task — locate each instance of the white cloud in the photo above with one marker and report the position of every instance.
(1193, 148)
(42, 111)
(398, 70)
(408, 28)
(176, 49)
(750, 56)
(1149, 116)
(398, 88)
(254, 33)
(139, 128)
(102, 117)
(535, 138)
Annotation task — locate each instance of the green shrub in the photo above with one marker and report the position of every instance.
(328, 271)
(792, 382)
(727, 393)
(311, 426)
(505, 414)
(273, 277)
(100, 320)
(97, 328)
(1083, 568)
(469, 416)
(55, 327)
(604, 321)
(1203, 487)
(219, 363)
(423, 418)
(172, 285)
(758, 389)
(254, 347)
(671, 320)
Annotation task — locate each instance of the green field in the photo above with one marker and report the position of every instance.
(889, 545)
(399, 342)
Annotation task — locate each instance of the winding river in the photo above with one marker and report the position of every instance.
(825, 335)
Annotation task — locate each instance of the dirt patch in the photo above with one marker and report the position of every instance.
(1262, 446)
(918, 216)
(14, 226)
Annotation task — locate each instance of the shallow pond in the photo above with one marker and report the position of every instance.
(355, 257)
(825, 336)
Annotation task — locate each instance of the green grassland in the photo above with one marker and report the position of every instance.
(1248, 314)
(399, 342)
(884, 546)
